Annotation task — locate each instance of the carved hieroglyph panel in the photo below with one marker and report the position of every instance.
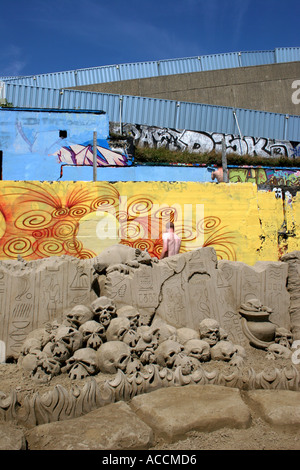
(40, 291)
(200, 291)
(265, 281)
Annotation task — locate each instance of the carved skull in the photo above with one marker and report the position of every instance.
(116, 328)
(93, 334)
(133, 366)
(113, 356)
(40, 366)
(129, 337)
(166, 353)
(223, 351)
(40, 334)
(186, 363)
(185, 334)
(66, 341)
(30, 344)
(147, 343)
(51, 327)
(278, 351)
(148, 339)
(223, 335)
(78, 315)
(83, 363)
(283, 337)
(119, 330)
(131, 313)
(165, 331)
(209, 331)
(104, 310)
(197, 348)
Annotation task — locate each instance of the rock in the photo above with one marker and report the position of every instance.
(172, 412)
(112, 427)
(277, 407)
(11, 437)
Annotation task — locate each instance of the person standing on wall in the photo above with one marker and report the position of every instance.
(171, 242)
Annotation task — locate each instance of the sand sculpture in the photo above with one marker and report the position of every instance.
(153, 323)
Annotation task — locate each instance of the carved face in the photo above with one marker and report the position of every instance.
(283, 337)
(93, 334)
(104, 310)
(166, 353)
(223, 351)
(83, 363)
(198, 349)
(79, 315)
(113, 356)
(209, 331)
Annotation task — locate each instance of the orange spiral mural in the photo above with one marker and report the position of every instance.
(42, 219)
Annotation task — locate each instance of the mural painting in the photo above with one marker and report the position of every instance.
(83, 155)
(80, 219)
(271, 176)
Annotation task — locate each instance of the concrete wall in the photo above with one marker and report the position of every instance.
(263, 87)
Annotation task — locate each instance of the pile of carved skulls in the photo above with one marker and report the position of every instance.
(101, 338)
(282, 346)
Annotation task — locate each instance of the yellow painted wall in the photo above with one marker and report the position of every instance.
(82, 218)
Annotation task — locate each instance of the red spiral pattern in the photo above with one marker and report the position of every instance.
(51, 226)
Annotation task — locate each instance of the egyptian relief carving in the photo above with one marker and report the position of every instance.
(181, 290)
(198, 312)
(36, 292)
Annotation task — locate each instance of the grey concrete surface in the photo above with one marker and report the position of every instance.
(263, 87)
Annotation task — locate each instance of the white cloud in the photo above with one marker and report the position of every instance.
(12, 61)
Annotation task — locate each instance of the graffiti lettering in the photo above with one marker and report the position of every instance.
(265, 176)
(205, 142)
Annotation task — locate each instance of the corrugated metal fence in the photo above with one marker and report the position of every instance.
(161, 113)
(111, 73)
(46, 91)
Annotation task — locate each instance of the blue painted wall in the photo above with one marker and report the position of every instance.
(32, 148)
(137, 173)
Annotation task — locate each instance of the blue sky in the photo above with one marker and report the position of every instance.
(38, 36)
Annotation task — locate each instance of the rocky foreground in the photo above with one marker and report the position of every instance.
(193, 417)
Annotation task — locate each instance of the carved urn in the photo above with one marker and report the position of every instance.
(256, 324)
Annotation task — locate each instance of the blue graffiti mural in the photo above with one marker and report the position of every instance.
(36, 144)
